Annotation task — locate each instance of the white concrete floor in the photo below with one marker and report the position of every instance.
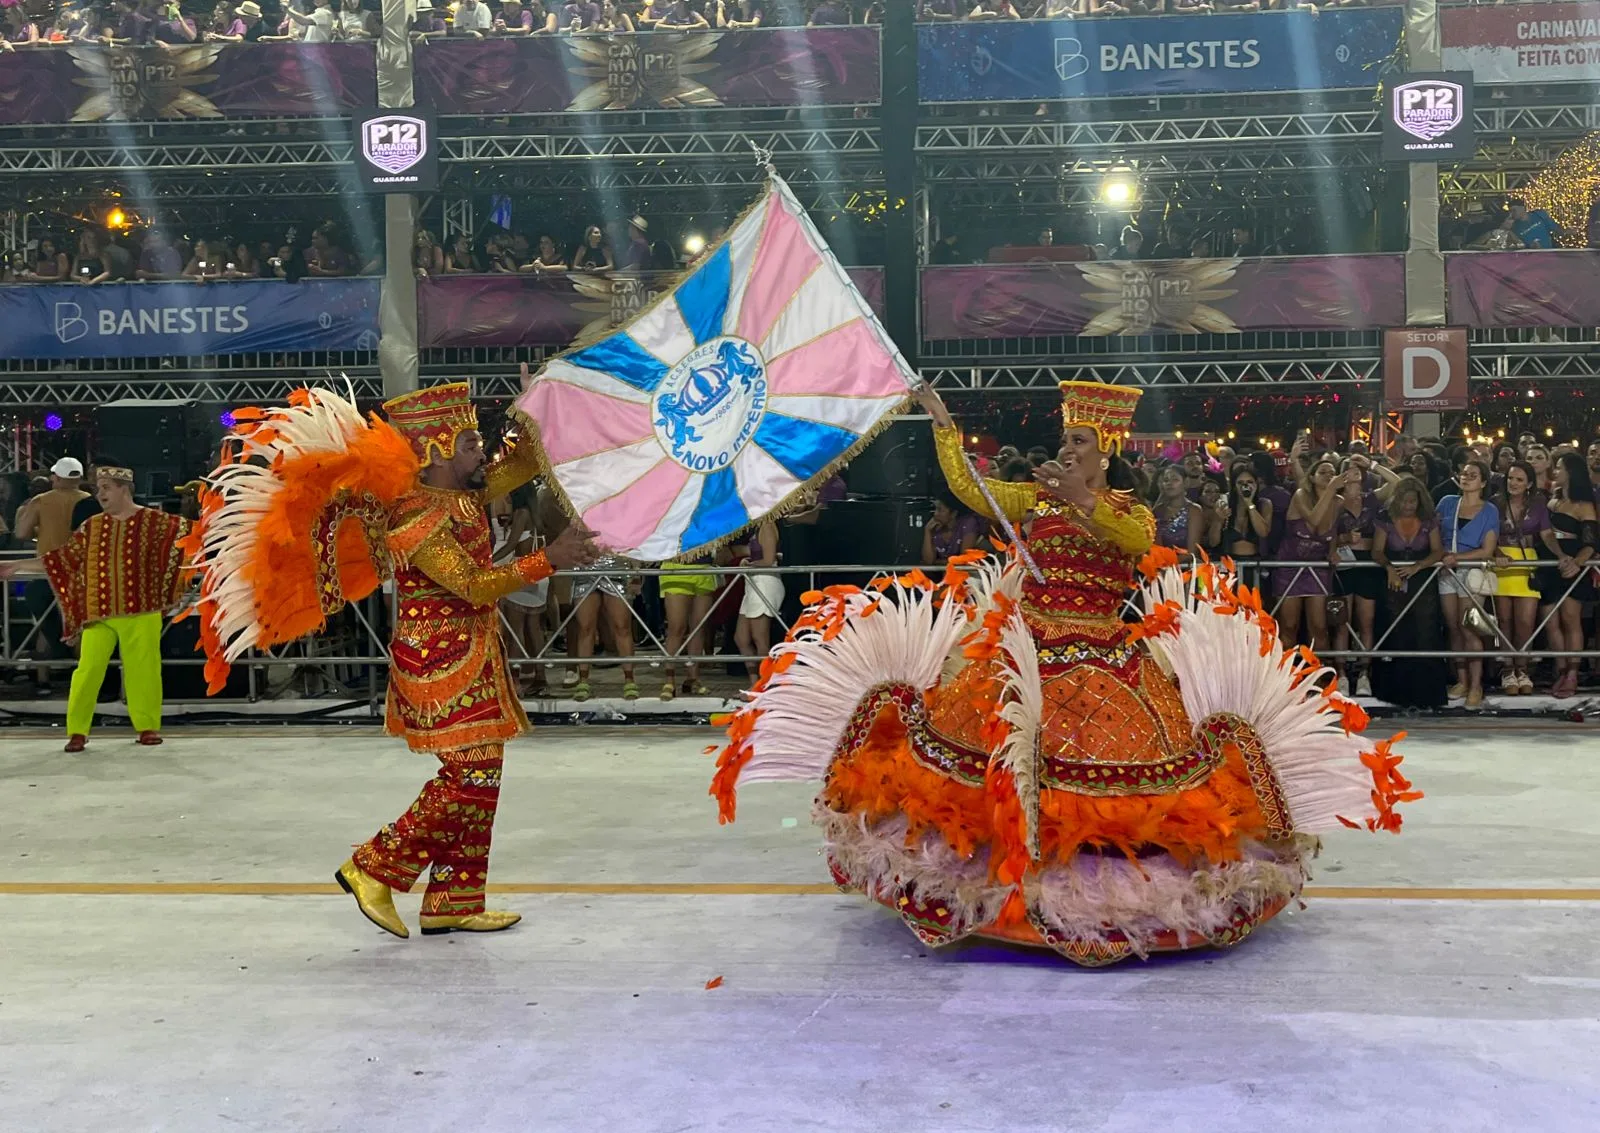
(201, 1010)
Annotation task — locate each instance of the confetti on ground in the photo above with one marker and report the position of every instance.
(715, 981)
(788, 822)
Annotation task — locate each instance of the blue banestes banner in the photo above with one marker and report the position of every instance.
(1151, 55)
(139, 320)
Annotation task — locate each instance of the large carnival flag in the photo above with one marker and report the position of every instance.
(756, 376)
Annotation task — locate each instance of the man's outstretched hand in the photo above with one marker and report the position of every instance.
(574, 547)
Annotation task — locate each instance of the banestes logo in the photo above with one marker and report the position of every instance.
(394, 142)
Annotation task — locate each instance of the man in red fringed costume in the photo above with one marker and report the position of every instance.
(449, 693)
(313, 507)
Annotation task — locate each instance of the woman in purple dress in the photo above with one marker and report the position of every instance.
(1405, 543)
(1308, 538)
(1179, 523)
(952, 530)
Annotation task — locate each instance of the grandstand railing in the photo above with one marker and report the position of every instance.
(350, 661)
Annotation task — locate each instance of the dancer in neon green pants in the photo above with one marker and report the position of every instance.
(114, 578)
(138, 638)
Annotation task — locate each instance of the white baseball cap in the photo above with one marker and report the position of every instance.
(66, 468)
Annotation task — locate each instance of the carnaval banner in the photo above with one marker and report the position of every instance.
(1105, 58)
(755, 377)
(147, 320)
(88, 83)
(554, 310)
(676, 70)
(1115, 297)
(1524, 289)
(1523, 43)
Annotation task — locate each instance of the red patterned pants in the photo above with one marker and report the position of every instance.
(447, 831)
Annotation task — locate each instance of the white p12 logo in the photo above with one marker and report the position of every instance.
(394, 142)
(1428, 108)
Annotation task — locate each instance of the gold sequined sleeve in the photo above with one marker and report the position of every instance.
(1016, 500)
(511, 470)
(1131, 529)
(442, 559)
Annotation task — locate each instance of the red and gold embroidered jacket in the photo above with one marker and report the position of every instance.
(448, 686)
(114, 567)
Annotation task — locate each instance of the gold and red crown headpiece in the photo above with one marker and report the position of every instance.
(431, 419)
(1106, 409)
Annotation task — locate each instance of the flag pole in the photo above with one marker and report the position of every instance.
(764, 159)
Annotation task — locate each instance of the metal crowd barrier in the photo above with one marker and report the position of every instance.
(351, 658)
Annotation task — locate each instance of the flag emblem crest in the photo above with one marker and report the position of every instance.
(710, 404)
(760, 373)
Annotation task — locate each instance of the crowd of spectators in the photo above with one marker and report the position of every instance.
(95, 255)
(1480, 549)
(29, 23)
(43, 23)
(1511, 225)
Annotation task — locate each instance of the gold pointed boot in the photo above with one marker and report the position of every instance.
(490, 920)
(373, 897)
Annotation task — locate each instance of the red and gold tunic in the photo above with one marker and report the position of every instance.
(114, 567)
(448, 686)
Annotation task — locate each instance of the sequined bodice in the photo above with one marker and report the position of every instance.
(469, 526)
(1085, 578)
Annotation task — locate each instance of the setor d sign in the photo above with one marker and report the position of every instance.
(397, 151)
(1424, 368)
(1428, 117)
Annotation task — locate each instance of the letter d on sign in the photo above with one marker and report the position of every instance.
(1410, 372)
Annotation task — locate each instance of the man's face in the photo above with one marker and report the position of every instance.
(1047, 237)
(1594, 455)
(1241, 236)
(1191, 464)
(111, 494)
(469, 463)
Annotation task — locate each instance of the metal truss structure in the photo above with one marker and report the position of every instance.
(496, 379)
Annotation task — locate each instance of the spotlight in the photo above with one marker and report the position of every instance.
(116, 218)
(1120, 186)
(694, 243)
(227, 419)
(53, 422)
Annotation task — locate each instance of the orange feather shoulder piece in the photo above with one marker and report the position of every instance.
(294, 523)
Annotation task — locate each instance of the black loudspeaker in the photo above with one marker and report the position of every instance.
(877, 533)
(167, 443)
(900, 462)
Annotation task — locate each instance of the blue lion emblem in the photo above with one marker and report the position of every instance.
(734, 369)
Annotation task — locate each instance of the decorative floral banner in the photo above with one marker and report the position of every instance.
(1524, 289)
(1114, 297)
(540, 75)
(212, 80)
(529, 310)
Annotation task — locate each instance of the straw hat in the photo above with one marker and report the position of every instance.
(250, 9)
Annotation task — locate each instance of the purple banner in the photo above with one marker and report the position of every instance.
(1114, 297)
(527, 310)
(677, 70)
(210, 80)
(1524, 289)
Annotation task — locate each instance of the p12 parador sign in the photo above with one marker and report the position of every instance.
(397, 151)
(1428, 117)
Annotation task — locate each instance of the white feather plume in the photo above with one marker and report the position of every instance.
(804, 710)
(1216, 657)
